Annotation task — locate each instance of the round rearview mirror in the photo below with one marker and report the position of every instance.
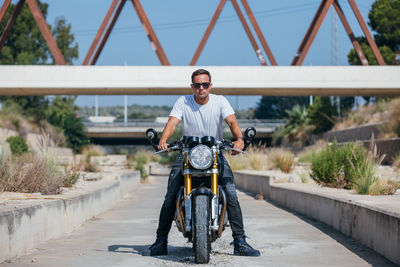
(151, 134)
(250, 132)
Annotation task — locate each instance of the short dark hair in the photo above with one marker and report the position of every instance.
(201, 71)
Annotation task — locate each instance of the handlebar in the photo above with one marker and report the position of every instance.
(169, 148)
(224, 145)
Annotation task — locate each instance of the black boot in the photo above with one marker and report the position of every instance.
(241, 248)
(159, 248)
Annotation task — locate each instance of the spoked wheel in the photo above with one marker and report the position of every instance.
(201, 233)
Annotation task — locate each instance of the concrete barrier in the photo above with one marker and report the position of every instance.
(374, 221)
(388, 147)
(363, 132)
(26, 226)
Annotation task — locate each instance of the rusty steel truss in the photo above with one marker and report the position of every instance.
(40, 21)
(317, 22)
(116, 7)
(113, 13)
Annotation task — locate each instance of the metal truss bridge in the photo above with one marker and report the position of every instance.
(261, 53)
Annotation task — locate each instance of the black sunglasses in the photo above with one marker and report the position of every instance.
(197, 85)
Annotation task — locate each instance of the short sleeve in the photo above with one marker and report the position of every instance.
(177, 110)
(226, 108)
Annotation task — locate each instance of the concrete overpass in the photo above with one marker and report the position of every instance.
(175, 80)
(134, 132)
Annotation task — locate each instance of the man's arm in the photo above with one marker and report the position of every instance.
(168, 132)
(236, 132)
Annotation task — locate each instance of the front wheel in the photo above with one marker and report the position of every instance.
(201, 233)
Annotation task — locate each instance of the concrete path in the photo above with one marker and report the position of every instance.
(116, 238)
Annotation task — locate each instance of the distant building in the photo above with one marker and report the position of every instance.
(102, 119)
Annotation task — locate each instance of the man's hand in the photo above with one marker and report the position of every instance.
(162, 145)
(239, 144)
(236, 132)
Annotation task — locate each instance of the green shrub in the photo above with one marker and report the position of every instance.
(325, 166)
(18, 145)
(364, 176)
(347, 166)
(332, 165)
(62, 114)
(141, 159)
(140, 167)
(353, 157)
(70, 177)
(363, 170)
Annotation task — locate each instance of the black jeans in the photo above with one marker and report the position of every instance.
(176, 180)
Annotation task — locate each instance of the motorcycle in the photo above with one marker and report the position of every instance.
(201, 204)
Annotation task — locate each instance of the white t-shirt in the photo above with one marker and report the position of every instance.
(202, 120)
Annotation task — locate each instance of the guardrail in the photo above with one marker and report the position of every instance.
(152, 123)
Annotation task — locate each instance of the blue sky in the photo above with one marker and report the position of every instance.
(180, 25)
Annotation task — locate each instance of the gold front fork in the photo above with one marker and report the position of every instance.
(187, 176)
(214, 175)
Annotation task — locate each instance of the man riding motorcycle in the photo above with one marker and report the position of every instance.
(202, 114)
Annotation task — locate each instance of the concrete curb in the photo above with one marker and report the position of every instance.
(373, 227)
(27, 226)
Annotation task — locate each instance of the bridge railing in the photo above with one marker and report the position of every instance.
(152, 123)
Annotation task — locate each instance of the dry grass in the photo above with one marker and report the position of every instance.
(85, 164)
(262, 158)
(391, 126)
(93, 151)
(365, 180)
(396, 162)
(12, 120)
(52, 136)
(237, 162)
(365, 115)
(385, 113)
(30, 173)
(285, 162)
(148, 155)
(282, 159)
(257, 157)
(384, 187)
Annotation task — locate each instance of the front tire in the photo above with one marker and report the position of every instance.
(201, 233)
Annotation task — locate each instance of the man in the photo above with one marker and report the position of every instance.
(202, 114)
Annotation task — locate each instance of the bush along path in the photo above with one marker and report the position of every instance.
(351, 166)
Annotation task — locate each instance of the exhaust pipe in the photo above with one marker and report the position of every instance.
(181, 219)
(223, 211)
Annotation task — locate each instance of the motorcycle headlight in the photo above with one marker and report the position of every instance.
(200, 157)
